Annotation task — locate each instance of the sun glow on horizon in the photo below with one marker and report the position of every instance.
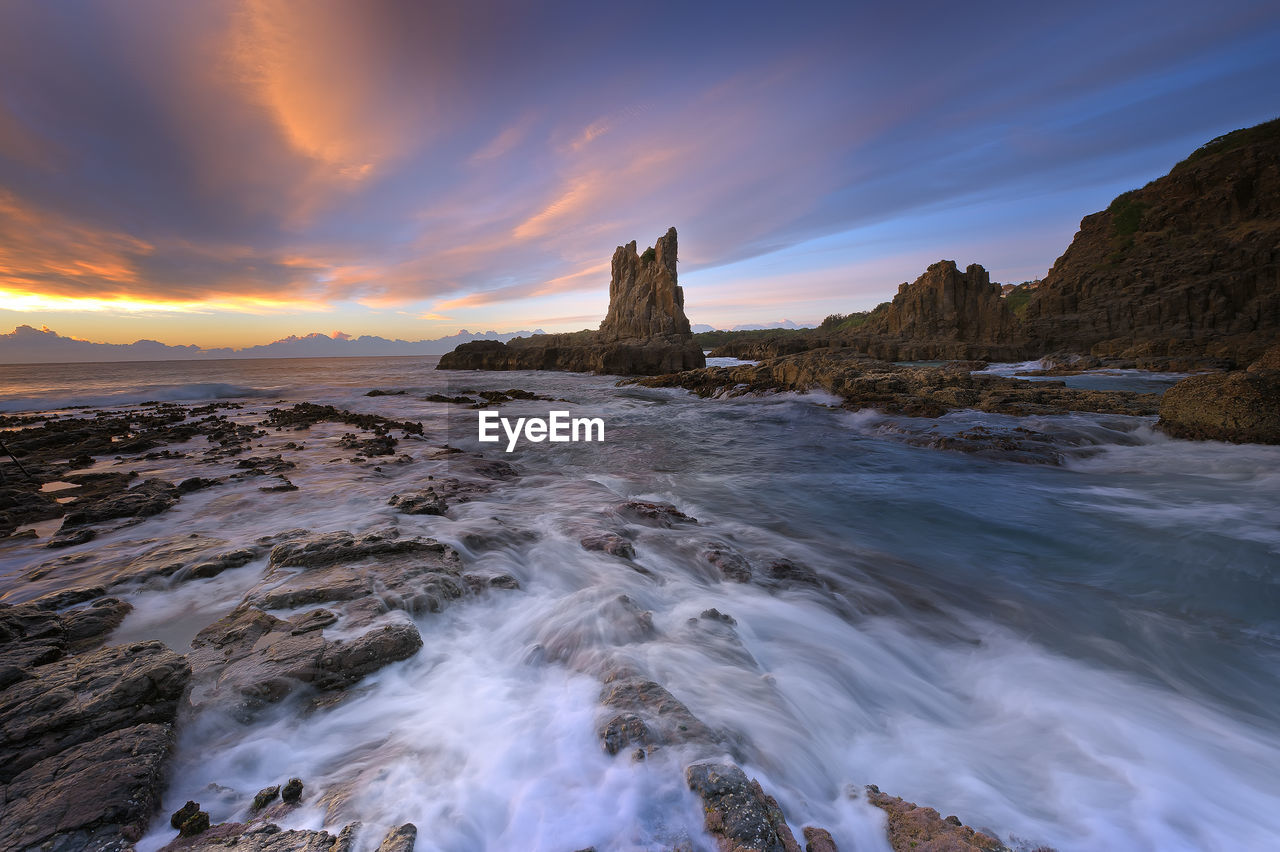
(18, 300)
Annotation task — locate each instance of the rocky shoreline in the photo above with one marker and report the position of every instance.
(89, 727)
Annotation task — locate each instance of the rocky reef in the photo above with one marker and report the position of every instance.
(645, 331)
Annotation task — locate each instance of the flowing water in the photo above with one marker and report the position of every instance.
(1084, 656)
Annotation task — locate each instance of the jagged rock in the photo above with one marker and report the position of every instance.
(644, 299)
(96, 795)
(400, 839)
(264, 837)
(645, 331)
(292, 792)
(265, 796)
(1242, 407)
(918, 829)
(32, 635)
(646, 714)
(184, 813)
(252, 658)
(610, 543)
(818, 840)
(149, 497)
(436, 498)
(84, 740)
(739, 814)
(731, 565)
(943, 314)
(662, 515)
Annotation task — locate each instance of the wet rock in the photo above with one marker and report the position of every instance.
(264, 837)
(84, 743)
(324, 549)
(737, 811)
(919, 829)
(610, 543)
(252, 658)
(75, 699)
(1242, 407)
(381, 392)
(731, 565)
(265, 796)
(32, 634)
(148, 498)
(380, 444)
(23, 504)
(648, 711)
(64, 598)
(283, 485)
(436, 498)
(864, 382)
(196, 483)
(292, 792)
(784, 572)
(662, 515)
(400, 839)
(304, 415)
(184, 813)
(818, 840)
(198, 823)
(97, 795)
(70, 538)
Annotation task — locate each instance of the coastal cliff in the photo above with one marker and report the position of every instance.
(1188, 265)
(645, 331)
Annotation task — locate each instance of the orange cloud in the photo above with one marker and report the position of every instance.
(317, 76)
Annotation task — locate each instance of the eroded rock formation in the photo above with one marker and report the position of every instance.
(645, 331)
(943, 314)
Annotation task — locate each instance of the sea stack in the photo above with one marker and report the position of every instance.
(645, 331)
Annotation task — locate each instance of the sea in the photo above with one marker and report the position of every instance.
(1083, 655)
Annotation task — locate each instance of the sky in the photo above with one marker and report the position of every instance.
(229, 173)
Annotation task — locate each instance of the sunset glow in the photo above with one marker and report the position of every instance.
(405, 170)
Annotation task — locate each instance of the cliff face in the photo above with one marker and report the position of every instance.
(943, 314)
(645, 331)
(1187, 265)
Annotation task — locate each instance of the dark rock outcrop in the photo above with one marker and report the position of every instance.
(943, 314)
(645, 331)
(1242, 407)
(83, 739)
(739, 815)
(1188, 264)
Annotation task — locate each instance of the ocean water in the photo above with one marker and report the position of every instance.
(1081, 655)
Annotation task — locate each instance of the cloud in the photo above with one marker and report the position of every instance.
(268, 155)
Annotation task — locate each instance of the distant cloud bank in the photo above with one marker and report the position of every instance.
(27, 345)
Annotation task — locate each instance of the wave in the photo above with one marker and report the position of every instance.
(193, 392)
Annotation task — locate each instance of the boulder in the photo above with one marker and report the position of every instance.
(738, 813)
(1242, 407)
